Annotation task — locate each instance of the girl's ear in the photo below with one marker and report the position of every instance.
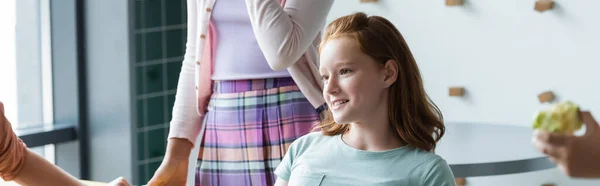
(390, 72)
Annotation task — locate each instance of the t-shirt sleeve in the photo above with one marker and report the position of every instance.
(284, 169)
(439, 174)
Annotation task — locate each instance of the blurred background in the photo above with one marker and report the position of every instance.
(90, 84)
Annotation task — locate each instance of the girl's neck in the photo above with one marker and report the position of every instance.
(376, 134)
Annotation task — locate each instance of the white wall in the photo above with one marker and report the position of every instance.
(504, 53)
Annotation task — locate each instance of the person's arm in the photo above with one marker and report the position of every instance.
(174, 167)
(185, 125)
(185, 122)
(284, 34)
(25, 167)
(37, 171)
(439, 174)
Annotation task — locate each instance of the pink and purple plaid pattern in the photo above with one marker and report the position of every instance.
(249, 127)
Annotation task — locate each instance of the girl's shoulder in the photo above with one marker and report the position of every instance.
(310, 140)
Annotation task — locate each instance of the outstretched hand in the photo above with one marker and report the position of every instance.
(576, 156)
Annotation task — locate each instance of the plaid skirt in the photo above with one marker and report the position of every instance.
(249, 126)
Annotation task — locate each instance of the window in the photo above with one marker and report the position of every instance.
(26, 66)
(8, 75)
(43, 81)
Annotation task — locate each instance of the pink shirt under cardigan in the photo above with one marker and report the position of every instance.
(287, 33)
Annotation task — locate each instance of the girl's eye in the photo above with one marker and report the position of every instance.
(324, 78)
(345, 71)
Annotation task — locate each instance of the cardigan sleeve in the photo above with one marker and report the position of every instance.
(185, 122)
(285, 33)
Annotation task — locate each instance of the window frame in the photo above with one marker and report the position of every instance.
(55, 94)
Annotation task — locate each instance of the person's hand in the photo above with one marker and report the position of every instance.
(119, 182)
(171, 173)
(576, 156)
(174, 168)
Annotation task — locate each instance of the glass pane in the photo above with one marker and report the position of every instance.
(25, 66)
(8, 76)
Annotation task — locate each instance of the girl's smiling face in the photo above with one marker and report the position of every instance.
(355, 85)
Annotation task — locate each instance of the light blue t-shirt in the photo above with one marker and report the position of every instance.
(316, 159)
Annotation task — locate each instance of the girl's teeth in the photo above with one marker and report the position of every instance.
(340, 102)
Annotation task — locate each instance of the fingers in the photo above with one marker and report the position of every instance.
(551, 138)
(538, 144)
(591, 124)
(1, 107)
(553, 160)
(125, 182)
(586, 116)
(119, 182)
(553, 153)
(550, 144)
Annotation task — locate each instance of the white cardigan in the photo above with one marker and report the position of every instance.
(287, 32)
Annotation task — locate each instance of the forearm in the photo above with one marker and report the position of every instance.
(178, 149)
(37, 171)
